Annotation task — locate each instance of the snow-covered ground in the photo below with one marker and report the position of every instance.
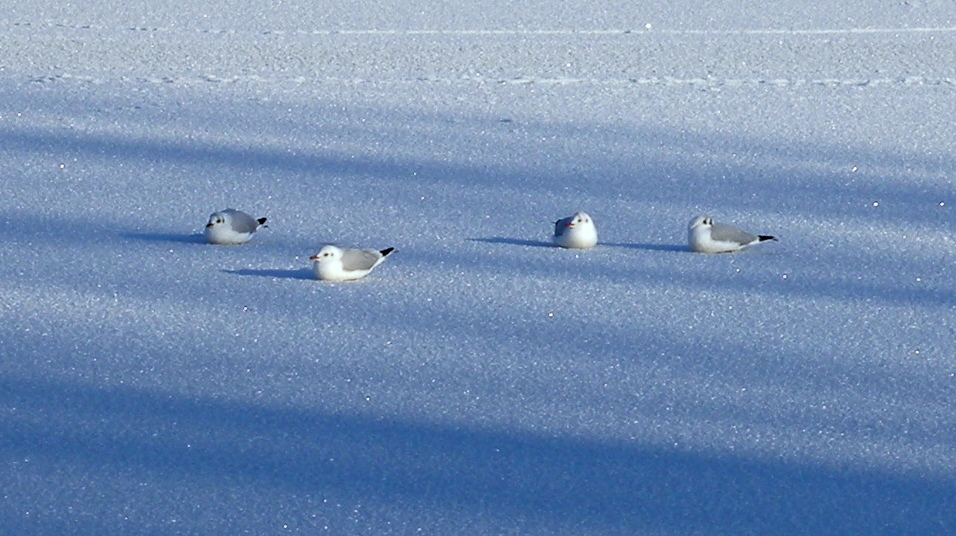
(480, 381)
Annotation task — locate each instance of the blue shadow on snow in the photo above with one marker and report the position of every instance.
(194, 238)
(301, 273)
(514, 242)
(493, 479)
(649, 247)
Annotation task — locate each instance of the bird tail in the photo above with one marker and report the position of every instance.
(764, 238)
(262, 221)
(385, 252)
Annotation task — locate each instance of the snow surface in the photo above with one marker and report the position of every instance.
(480, 381)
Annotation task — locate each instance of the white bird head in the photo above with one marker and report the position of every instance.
(216, 218)
(579, 219)
(701, 221)
(327, 254)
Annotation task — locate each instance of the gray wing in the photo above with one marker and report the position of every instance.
(561, 225)
(360, 259)
(726, 233)
(242, 222)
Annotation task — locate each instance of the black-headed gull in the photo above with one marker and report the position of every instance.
(231, 227)
(332, 263)
(575, 232)
(705, 236)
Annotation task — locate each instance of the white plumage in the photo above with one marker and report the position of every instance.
(332, 263)
(231, 227)
(575, 232)
(705, 236)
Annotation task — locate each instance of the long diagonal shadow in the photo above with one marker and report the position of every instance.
(194, 238)
(300, 273)
(514, 242)
(649, 247)
(518, 479)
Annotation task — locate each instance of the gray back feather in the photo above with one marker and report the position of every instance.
(242, 222)
(360, 259)
(726, 233)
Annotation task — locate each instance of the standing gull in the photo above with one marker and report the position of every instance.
(231, 227)
(575, 232)
(705, 236)
(336, 264)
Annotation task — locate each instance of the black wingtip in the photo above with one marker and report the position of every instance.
(764, 238)
(385, 252)
(262, 221)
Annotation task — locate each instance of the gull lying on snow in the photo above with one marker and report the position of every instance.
(575, 232)
(705, 236)
(231, 227)
(336, 264)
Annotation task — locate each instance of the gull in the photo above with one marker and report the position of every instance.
(332, 263)
(576, 232)
(231, 227)
(705, 236)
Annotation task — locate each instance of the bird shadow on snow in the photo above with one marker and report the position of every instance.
(300, 273)
(538, 243)
(514, 242)
(649, 247)
(491, 480)
(193, 238)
